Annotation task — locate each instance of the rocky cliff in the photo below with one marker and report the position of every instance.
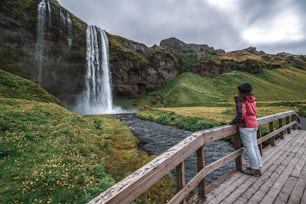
(62, 64)
(136, 69)
(210, 62)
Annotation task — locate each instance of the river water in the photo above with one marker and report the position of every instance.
(156, 139)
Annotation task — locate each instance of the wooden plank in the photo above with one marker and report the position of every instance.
(274, 117)
(201, 165)
(277, 186)
(271, 170)
(219, 190)
(237, 145)
(180, 176)
(275, 132)
(240, 179)
(299, 166)
(287, 122)
(271, 128)
(280, 162)
(280, 124)
(220, 162)
(286, 190)
(297, 193)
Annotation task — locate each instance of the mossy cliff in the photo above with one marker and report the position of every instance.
(62, 65)
(136, 69)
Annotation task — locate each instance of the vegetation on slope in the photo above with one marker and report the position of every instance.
(51, 155)
(188, 89)
(13, 86)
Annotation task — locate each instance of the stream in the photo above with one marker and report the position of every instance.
(156, 139)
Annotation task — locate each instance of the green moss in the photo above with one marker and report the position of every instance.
(193, 123)
(12, 86)
(117, 47)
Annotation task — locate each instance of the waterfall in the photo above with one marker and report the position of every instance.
(40, 38)
(69, 25)
(62, 17)
(66, 21)
(97, 97)
(98, 81)
(49, 12)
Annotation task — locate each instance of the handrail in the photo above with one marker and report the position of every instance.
(142, 179)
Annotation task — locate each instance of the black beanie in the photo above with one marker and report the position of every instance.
(245, 87)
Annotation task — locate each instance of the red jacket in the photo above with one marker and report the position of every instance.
(245, 112)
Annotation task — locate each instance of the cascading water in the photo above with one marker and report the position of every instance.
(40, 38)
(66, 21)
(49, 12)
(69, 25)
(98, 76)
(97, 97)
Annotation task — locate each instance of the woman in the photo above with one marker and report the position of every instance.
(246, 120)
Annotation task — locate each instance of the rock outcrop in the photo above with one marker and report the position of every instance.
(137, 69)
(176, 45)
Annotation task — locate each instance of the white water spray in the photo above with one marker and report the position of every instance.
(40, 38)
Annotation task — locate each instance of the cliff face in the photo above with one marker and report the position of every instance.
(62, 65)
(136, 69)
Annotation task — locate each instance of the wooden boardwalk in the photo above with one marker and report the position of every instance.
(283, 179)
(284, 169)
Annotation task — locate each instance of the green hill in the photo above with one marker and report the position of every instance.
(51, 155)
(188, 89)
(13, 86)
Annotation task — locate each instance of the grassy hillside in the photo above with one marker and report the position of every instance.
(188, 89)
(51, 155)
(13, 86)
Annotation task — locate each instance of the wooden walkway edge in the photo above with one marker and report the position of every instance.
(283, 179)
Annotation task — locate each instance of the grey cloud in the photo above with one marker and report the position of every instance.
(192, 21)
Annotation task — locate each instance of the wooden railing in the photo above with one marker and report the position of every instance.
(142, 179)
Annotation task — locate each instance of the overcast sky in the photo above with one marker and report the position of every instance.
(270, 25)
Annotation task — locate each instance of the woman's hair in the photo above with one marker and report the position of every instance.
(243, 95)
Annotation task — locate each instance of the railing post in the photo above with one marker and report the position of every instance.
(237, 145)
(271, 128)
(259, 134)
(294, 119)
(201, 165)
(298, 121)
(287, 122)
(280, 124)
(180, 176)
